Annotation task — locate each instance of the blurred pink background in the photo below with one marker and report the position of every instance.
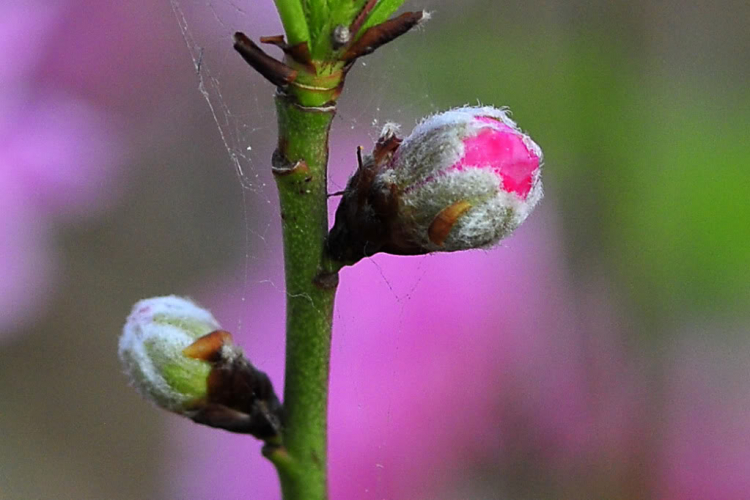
(590, 356)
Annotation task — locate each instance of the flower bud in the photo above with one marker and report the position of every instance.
(177, 357)
(463, 179)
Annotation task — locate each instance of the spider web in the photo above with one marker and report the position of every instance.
(242, 108)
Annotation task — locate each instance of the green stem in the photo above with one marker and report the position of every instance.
(305, 108)
(300, 170)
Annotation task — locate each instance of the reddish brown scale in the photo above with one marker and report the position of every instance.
(208, 347)
(445, 220)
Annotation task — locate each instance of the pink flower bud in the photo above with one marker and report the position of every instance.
(463, 179)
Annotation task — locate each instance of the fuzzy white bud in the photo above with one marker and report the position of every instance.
(151, 350)
(464, 179)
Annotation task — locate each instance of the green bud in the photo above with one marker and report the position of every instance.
(177, 357)
(151, 350)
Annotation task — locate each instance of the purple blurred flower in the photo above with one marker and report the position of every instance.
(428, 356)
(449, 362)
(438, 364)
(704, 448)
(57, 160)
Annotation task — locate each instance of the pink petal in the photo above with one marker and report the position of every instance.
(502, 149)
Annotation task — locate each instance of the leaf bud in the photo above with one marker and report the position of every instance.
(177, 357)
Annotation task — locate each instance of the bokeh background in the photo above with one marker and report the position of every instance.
(600, 352)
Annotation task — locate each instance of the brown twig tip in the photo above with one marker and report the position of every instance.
(271, 69)
(300, 52)
(381, 34)
(277, 40)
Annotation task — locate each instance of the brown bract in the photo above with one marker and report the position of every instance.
(239, 397)
(365, 221)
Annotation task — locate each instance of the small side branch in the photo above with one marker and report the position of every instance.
(379, 35)
(300, 53)
(271, 69)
